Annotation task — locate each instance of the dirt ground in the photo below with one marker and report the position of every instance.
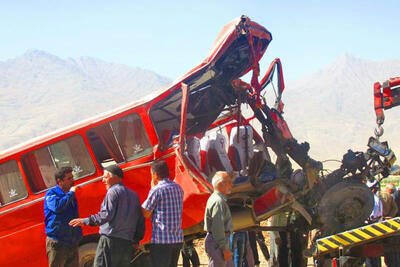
(199, 245)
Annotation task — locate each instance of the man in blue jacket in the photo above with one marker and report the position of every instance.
(60, 207)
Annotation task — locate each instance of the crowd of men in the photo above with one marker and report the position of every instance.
(121, 221)
(386, 206)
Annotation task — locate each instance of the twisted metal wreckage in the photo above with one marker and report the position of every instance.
(209, 100)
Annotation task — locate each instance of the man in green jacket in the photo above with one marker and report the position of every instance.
(218, 222)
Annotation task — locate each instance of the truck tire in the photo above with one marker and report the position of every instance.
(344, 206)
(87, 252)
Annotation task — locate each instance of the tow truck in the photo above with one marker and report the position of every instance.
(351, 247)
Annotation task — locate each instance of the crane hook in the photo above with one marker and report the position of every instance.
(378, 131)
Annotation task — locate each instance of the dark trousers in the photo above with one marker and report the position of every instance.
(214, 253)
(253, 245)
(297, 244)
(283, 250)
(165, 255)
(189, 254)
(373, 262)
(113, 252)
(238, 244)
(61, 255)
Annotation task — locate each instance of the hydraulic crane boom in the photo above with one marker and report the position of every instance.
(386, 96)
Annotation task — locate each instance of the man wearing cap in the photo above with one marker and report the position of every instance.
(218, 222)
(120, 219)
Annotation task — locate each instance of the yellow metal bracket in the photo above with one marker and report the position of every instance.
(358, 236)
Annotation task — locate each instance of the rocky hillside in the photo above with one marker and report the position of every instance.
(40, 92)
(333, 108)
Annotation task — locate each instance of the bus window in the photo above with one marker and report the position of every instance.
(132, 137)
(41, 164)
(12, 185)
(104, 145)
(121, 140)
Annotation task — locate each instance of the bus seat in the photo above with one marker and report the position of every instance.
(204, 146)
(193, 149)
(237, 148)
(218, 159)
(267, 201)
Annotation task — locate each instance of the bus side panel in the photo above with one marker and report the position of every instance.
(22, 230)
(138, 180)
(22, 236)
(195, 196)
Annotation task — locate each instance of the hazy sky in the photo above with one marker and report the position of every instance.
(172, 37)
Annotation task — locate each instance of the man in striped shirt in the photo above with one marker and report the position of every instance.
(164, 205)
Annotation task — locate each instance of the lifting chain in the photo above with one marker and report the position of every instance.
(378, 131)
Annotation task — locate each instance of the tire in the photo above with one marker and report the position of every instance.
(87, 252)
(344, 206)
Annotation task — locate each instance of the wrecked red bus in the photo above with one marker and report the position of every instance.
(131, 136)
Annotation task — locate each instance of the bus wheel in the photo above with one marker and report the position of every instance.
(345, 206)
(87, 252)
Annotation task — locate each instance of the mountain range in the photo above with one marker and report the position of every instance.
(332, 109)
(40, 92)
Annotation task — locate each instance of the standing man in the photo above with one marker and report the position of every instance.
(390, 210)
(377, 212)
(389, 206)
(60, 206)
(238, 246)
(375, 216)
(164, 206)
(391, 189)
(121, 221)
(256, 237)
(189, 255)
(218, 222)
(396, 196)
(279, 250)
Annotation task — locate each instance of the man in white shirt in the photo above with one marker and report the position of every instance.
(377, 212)
(376, 215)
